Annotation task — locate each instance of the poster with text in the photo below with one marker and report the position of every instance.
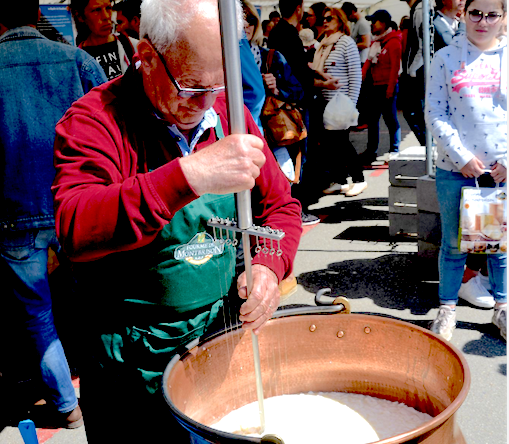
(56, 23)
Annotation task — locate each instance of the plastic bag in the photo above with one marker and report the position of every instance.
(340, 113)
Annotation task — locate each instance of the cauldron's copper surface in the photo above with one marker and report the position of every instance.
(354, 353)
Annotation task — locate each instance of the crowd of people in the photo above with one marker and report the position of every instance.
(126, 139)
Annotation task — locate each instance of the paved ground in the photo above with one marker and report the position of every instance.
(351, 252)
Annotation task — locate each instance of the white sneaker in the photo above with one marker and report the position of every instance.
(445, 323)
(475, 293)
(500, 320)
(337, 187)
(485, 281)
(346, 187)
(357, 189)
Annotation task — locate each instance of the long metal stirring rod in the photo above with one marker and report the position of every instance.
(233, 77)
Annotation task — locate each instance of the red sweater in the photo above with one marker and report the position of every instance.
(386, 70)
(107, 201)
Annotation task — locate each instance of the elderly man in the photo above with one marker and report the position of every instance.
(142, 163)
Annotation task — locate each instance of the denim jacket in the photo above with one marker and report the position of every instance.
(39, 80)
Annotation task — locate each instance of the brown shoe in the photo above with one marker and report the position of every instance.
(288, 286)
(73, 420)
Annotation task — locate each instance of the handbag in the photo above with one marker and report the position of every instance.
(483, 220)
(282, 121)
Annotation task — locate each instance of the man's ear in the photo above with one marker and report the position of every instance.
(135, 23)
(147, 55)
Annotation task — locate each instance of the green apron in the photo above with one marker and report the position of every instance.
(185, 273)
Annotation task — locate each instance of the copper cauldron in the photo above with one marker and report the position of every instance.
(319, 351)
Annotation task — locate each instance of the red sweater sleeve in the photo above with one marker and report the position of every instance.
(394, 51)
(102, 205)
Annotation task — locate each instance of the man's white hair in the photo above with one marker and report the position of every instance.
(163, 21)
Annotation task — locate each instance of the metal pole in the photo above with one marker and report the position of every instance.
(234, 97)
(426, 53)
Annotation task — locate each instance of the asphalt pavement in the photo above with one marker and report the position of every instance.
(351, 252)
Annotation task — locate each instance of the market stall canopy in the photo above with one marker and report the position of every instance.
(397, 8)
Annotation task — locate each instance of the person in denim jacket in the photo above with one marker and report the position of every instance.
(39, 80)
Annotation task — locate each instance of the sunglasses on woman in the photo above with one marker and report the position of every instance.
(328, 19)
(477, 16)
(251, 20)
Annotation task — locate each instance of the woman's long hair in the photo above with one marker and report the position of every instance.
(252, 17)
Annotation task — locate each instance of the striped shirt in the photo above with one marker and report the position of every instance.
(344, 63)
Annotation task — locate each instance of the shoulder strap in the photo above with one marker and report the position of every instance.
(270, 57)
(127, 45)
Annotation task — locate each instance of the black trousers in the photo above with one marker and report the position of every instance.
(340, 158)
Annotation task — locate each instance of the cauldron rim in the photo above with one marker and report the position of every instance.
(426, 427)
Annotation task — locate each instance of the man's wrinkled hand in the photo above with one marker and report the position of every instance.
(230, 165)
(263, 300)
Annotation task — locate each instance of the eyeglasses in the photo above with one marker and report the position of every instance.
(477, 16)
(187, 93)
(328, 19)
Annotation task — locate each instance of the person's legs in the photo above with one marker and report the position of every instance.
(472, 289)
(349, 164)
(413, 105)
(390, 115)
(335, 146)
(349, 157)
(497, 272)
(25, 257)
(451, 261)
(373, 120)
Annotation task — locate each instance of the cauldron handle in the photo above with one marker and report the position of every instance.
(274, 439)
(322, 298)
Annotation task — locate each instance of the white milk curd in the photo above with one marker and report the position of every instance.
(333, 417)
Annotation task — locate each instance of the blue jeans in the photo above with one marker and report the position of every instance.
(381, 106)
(451, 261)
(24, 262)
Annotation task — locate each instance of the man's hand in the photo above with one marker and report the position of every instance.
(474, 168)
(270, 81)
(499, 173)
(228, 166)
(263, 299)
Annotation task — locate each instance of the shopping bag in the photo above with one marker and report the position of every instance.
(483, 220)
(340, 113)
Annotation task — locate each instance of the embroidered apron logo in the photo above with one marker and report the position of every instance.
(199, 249)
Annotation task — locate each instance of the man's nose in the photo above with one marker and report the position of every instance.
(203, 101)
